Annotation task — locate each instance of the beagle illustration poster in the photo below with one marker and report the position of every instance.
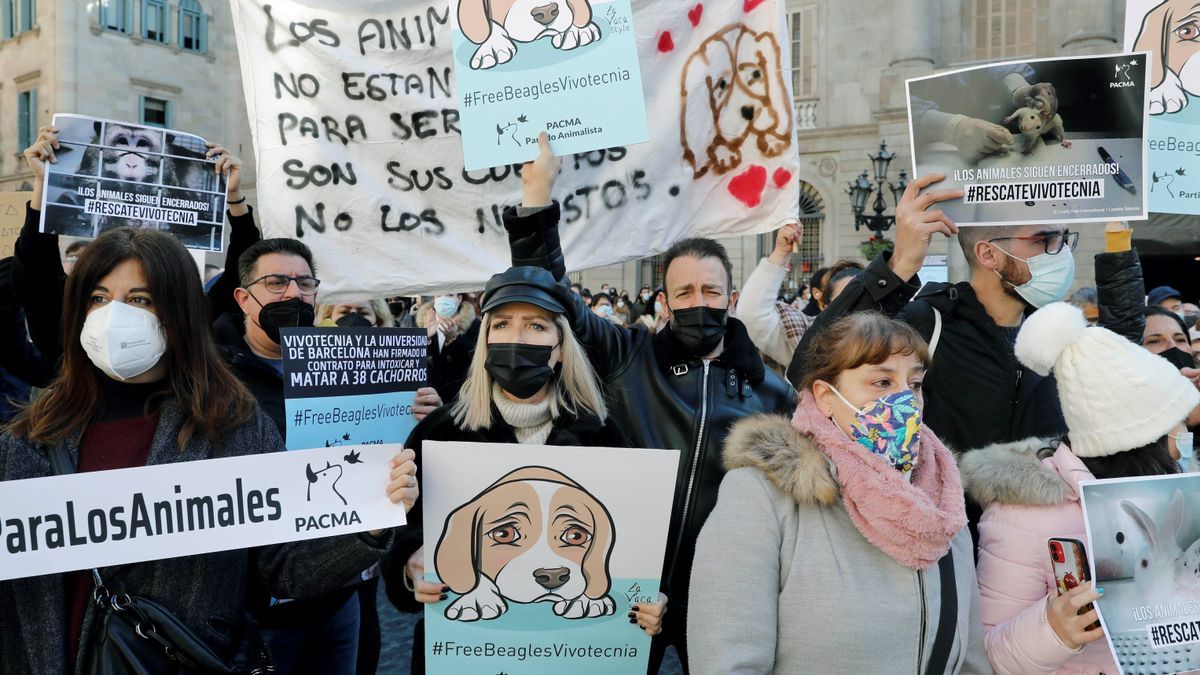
(1057, 140)
(1144, 548)
(361, 113)
(114, 174)
(1170, 31)
(545, 549)
(101, 518)
(351, 386)
(524, 66)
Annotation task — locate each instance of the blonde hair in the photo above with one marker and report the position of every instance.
(576, 390)
(383, 314)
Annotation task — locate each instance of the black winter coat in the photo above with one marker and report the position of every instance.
(662, 396)
(440, 426)
(264, 382)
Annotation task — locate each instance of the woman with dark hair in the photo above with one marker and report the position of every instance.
(839, 535)
(1030, 489)
(142, 384)
(1167, 335)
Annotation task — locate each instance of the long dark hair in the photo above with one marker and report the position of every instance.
(1152, 459)
(211, 397)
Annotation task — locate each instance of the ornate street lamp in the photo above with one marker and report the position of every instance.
(860, 191)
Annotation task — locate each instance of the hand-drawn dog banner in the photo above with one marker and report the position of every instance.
(1037, 141)
(112, 174)
(545, 549)
(1144, 549)
(1170, 31)
(524, 66)
(356, 125)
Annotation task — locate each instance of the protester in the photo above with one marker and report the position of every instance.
(643, 304)
(775, 327)
(529, 382)
(364, 313)
(828, 522)
(22, 366)
(1166, 335)
(1191, 315)
(1166, 297)
(816, 302)
(1087, 300)
(680, 388)
(839, 277)
(453, 327)
(142, 384)
(1030, 489)
(976, 393)
(655, 318)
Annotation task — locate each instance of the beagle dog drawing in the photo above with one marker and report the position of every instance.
(1171, 32)
(732, 90)
(535, 535)
(497, 25)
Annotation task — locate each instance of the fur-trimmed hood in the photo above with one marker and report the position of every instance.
(770, 444)
(1015, 474)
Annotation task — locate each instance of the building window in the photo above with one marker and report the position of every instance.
(28, 15)
(154, 20)
(117, 15)
(193, 26)
(26, 118)
(8, 8)
(804, 52)
(155, 112)
(808, 258)
(1003, 29)
(651, 272)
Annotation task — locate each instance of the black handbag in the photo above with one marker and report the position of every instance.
(139, 636)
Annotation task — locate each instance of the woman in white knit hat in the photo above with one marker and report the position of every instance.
(1120, 402)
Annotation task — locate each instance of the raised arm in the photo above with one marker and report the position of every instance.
(37, 276)
(243, 233)
(756, 306)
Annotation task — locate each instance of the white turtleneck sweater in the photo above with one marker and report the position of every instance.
(530, 421)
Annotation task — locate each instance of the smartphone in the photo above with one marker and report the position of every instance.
(1069, 559)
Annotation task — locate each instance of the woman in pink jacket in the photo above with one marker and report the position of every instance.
(1030, 489)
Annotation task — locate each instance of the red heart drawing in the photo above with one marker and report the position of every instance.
(781, 177)
(747, 187)
(748, 5)
(665, 43)
(694, 14)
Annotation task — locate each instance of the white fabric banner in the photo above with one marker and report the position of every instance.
(356, 130)
(62, 523)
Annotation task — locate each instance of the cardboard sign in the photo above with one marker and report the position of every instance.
(100, 518)
(545, 549)
(361, 113)
(1144, 550)
(114, 174)
(1040, 141)
(12, 218)
(347, 386)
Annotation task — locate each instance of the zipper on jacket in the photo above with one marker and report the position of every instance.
(687, 498)
(1017, 390)
(921, 644)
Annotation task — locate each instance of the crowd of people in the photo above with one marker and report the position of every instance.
(868, 473)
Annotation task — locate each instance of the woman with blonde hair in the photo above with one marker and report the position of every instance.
(367, 313)
(529, 382)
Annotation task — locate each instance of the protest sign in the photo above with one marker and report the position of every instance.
(99, 518)
(1040, 141)
(12, 217)
(356, 127)
(527, 67)
(545, 549)
(1145, 552)
(1173, 130)
(347, 386)
(113, 174)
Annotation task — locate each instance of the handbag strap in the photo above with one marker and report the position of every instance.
(948, 618)
(60, 461)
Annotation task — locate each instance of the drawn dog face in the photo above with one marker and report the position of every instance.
(1171, 31)
(535, 533)
(133, 153)
(522, 20)
(731, 90)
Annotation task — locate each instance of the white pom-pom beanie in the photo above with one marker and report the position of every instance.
(1115, 395)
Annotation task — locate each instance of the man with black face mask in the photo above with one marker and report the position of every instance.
(681, 388)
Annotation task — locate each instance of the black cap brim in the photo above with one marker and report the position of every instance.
(522, 293)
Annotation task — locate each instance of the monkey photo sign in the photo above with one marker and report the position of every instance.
(114, 174)
(545, 550)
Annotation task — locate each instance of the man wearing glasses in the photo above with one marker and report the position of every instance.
(976, 393)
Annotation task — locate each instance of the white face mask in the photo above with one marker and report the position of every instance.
(122, 340)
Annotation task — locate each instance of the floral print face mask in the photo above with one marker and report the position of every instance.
(889, 427)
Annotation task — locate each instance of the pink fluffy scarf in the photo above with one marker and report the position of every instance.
(913, 522)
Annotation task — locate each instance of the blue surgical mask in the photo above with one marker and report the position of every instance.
(1183, 443)
(446, 306)
(605, 311)
(658, 308)
(1052, 276)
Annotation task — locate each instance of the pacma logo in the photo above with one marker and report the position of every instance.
(1121, 74)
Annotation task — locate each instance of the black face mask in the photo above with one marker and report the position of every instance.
(355, 320)
(520, 369)
(1179, 358)
(294, 313)
(700, 329)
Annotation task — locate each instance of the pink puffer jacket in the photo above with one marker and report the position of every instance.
(1026, 502)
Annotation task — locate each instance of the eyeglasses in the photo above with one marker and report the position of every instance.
(1051, 243)
(278, 283)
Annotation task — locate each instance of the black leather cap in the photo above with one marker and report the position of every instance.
(533, 285)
